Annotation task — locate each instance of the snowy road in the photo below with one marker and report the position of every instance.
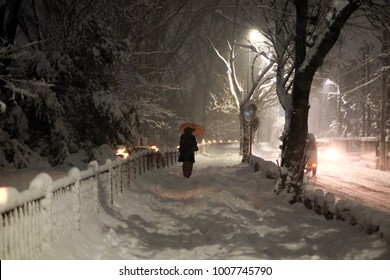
(357, 183)
(346, 179)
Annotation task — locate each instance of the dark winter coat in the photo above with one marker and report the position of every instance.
(187, 147)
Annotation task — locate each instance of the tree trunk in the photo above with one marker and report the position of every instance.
(9, 12)
(307, 62)
(244, 139)
(294, 142)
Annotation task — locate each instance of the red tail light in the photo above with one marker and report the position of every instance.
(314, 165)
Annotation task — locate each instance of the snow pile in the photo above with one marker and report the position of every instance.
(367, 219)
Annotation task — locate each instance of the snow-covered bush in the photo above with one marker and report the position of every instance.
(103, 152)
(343, 211)
(329, 206)
(268, 168)
(319, 201)
(308, 196)
(33, 117)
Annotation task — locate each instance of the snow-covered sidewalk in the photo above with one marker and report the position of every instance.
(224, 211)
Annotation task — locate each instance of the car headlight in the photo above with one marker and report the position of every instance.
(122, 153)
(154, 148)
(333, 154)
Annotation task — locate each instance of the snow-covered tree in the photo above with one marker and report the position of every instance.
(259, 88)
(302, 33)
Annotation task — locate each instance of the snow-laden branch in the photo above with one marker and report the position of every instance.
(233, 83)
(255, 50)
(328, 37)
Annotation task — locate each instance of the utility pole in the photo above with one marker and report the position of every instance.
(338, 96)
(382, 140)
(384, 101)
(365, 79)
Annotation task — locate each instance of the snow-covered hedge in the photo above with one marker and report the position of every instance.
(367, 219)
(31, 220)
(269, 168)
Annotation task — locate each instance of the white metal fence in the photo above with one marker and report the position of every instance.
(31, 220)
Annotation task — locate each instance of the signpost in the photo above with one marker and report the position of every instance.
(250, 117)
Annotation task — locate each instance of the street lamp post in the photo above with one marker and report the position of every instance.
(254, 38)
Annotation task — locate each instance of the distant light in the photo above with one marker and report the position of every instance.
(255, 36)
(122, 152)
(3, 195)
(154, 148)
(333, 154)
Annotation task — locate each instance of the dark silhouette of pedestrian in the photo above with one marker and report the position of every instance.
(187, 149)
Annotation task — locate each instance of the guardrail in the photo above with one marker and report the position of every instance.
(32, 219)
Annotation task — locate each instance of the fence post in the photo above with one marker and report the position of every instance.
(109, 180)
(44, 182)
(75, 175)
(144, 159)
(119, 181)
(134, 161)
(94, 165)
(166, 157)
(129, 161)
(140, 164)
(148, 163)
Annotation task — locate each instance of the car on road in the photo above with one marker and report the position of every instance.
(122, 151)
(158, 156)
(328, 151)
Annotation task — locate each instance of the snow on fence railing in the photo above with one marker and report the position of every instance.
(367, 219)
(32, 219)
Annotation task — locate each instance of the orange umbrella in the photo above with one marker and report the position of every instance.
(198, 129)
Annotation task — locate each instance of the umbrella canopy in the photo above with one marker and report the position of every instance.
(198, 129)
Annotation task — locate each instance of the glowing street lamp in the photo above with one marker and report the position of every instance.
(255, 39)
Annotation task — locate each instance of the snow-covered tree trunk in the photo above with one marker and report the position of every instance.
(244, 140)
(9, 11)
(307, 61)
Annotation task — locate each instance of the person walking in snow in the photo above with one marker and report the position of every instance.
(188, 147)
